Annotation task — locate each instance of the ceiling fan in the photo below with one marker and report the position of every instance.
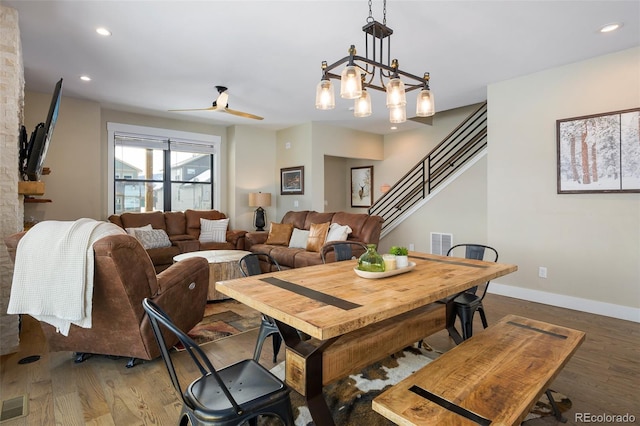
(220, 104)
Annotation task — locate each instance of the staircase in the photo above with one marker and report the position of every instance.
(465, 145)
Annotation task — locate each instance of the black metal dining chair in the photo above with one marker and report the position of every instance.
(468, 302)
(251, 265)
(232, 395)
(342, 250)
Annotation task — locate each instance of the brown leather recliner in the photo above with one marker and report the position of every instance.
(123, 277)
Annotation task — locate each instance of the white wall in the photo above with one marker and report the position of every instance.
(590, 243)
(252, 159)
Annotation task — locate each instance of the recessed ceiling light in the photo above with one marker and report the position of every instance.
(103, 31)
(394, 127)
(85, 78)
(610, 27)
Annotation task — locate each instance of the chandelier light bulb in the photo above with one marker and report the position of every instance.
(425, 106)
(325, 97)
(362, 105)
(398, 114)
(350, 83)
(395, 93)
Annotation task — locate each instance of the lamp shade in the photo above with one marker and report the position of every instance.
(350, 83)
(325, 98)
(259, 199)
(398, 114)
(425, 105)
(362, 105)
(395, 93)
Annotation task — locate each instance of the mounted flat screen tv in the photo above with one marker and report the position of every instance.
(36, 149)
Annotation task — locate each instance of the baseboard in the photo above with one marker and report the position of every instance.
(627, 313)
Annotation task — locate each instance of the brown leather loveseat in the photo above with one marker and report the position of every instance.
(364, 228)
(123, 277)
(183, 230)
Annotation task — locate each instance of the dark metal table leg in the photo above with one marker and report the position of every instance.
(451, 321)
(312, 355)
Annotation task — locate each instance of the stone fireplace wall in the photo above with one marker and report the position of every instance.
(11, 206)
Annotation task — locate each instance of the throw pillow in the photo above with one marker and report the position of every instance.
(152, 238)
(317, 236)
(299, 238)
(338, 232)
(142, 228)
(279, 234)
(213, 231)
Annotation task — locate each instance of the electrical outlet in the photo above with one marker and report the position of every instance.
(542, 272)
(295, 203)
(411, 247)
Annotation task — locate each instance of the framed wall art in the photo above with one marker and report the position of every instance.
(599, 153)
(292, 180)
(362, 186)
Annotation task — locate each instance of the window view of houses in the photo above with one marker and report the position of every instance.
(149, 179)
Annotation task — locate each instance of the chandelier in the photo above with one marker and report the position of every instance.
(374, 71)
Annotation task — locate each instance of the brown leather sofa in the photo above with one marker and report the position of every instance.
(123, 277)
(365, 228)
(183, 229)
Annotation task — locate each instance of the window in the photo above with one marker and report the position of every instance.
(165, 170)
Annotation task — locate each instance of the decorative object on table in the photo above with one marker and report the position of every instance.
(292, 180)
(389, 261)
(371, 261)
(599, 152)
(402, 256)
(259, 200)
(362, 186)
(385, 274)
(363, 73)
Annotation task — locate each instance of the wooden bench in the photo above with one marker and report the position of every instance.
(495, 377)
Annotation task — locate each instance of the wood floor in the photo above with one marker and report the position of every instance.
(603, 377)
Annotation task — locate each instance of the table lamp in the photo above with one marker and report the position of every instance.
(259, 199)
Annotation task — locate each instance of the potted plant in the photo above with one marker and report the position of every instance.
(401, 253)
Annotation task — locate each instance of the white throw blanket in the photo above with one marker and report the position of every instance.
(53, 274)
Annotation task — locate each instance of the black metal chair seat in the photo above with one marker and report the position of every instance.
(230, 396)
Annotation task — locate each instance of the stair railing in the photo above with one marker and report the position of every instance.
(460, 146)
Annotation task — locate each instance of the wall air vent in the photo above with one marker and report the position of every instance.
(441, 243)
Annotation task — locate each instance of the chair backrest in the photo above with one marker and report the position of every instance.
(250, 264)
(477, 252)
(342, 250)
(157, 316)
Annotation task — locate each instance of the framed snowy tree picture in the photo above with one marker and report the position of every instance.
(599, 153)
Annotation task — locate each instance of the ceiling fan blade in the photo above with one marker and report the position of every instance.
(242, 114)
(211, 108)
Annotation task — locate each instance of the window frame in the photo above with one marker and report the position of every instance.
(158, 133)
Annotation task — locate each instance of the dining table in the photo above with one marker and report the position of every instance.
(335, 320)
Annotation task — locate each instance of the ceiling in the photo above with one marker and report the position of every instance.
(171, 54)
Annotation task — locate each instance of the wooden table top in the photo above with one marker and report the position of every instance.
(496, 376)
(329, 300)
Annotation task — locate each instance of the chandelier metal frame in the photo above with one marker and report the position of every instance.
(377, 62)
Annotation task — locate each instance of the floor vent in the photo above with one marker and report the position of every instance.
(14, 408)
(441, 243)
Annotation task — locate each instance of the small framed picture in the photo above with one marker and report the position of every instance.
(362, 186)
(292, 180)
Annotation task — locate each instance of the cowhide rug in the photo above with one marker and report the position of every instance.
(349, 399)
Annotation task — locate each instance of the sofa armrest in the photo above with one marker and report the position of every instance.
(237, 238)
(182, 274)
(11, 242)
(259, 237)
